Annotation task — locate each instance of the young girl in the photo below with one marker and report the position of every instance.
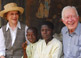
(29, 50)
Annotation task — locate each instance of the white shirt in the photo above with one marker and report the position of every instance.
(31, 49)
(51, 50)
(2, 43)
(13, 36)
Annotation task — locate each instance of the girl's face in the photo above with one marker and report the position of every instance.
(31, 36)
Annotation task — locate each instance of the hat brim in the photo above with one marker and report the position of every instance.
(20, 9)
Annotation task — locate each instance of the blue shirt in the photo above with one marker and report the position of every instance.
(72, 42)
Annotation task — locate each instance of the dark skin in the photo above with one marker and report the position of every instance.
(32, 37)
(46, 33)
(24, 45)
(48, 40)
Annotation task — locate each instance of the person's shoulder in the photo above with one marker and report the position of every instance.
(79, 25)
(0, 30)
(39, 42)
(64, 29)
(4, 26)
(28, 46)
(56, 41)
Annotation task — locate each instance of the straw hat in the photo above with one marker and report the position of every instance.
(11, 7)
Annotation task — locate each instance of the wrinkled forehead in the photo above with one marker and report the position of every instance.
(69, 10)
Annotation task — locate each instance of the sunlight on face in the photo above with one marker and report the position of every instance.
(12, 17)
(70, 19)
(31, 36)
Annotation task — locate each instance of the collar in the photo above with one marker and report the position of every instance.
(18, 26)
(51, 41)
(77, 32)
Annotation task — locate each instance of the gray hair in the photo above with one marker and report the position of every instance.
(68, 7)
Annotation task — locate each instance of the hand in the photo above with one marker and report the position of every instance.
(24, 45)
(2, 57)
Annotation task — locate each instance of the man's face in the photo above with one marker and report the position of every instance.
(46, 32)
(12, 17)
(70, 19)
(31, 36)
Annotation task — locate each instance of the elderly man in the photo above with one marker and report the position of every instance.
(71, 33)
(12, 35)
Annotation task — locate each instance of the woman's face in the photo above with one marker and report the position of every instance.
(31, 36)
(12, 17)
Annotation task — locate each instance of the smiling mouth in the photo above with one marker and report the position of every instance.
(71, 23)
(30, 39)
(14, 19)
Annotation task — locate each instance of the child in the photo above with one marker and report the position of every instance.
(32, 35)
(49, 47)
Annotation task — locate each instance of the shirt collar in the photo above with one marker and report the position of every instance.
(76, 30)
(49, 41)
(18, 26)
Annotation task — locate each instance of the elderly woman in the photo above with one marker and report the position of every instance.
(12, 35)
(49, 47)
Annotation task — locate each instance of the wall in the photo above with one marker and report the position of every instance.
(37, 11)
(41, 10)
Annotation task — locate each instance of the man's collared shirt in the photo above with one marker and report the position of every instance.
(72, 42)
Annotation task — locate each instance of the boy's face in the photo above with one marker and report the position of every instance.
(46, 32)
(31, 36)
